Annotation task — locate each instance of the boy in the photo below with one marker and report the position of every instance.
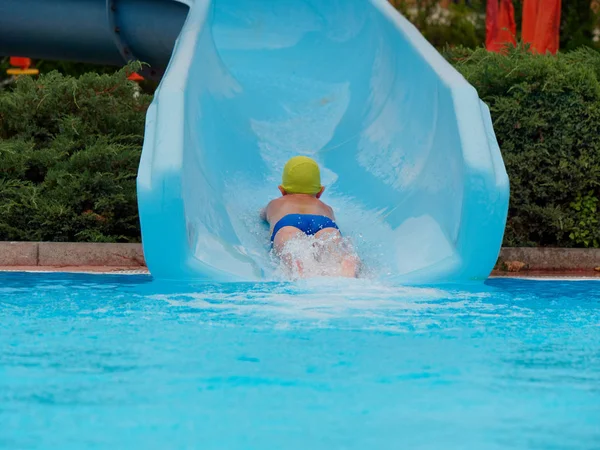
(300, 212)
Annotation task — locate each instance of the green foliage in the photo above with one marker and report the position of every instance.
(69, 150)
(546, 113)
(457, 25)
(74, 69)
(461, 27)
(585, 220)
(577, 23)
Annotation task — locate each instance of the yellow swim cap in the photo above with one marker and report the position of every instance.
(301, 175)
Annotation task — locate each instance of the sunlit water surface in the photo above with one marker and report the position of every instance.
(96, 361)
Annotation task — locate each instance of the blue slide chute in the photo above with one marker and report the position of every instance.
(407, 149)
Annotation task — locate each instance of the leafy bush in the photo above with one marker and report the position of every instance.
(458, 24)
(546, 113)
(69, 150)
(577, 24)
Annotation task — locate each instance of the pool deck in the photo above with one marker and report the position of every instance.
(78, 269)
(549, 274)
(561, 263)
(142, 270)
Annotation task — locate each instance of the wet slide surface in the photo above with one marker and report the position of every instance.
(407, 150)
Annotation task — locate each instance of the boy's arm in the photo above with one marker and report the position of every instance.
(264, 213)
(331, 212)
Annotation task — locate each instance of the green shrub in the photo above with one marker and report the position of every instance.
(69, 151)
(546, 114)
(577, 23)
(457, 25)
(585, 220)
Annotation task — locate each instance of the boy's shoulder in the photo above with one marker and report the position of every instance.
(277, 201)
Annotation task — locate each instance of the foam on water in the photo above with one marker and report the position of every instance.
(340, 303)
(310, 256)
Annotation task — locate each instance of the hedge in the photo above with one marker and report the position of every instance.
(69, 149)
(458, 24)
(546, 113)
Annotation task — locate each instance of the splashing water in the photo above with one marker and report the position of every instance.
(310, 256)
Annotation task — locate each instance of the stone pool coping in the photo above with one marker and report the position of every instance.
(128, 258)
(78, 269)
(71, 255)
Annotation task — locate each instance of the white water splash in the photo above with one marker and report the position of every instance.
(309, 257)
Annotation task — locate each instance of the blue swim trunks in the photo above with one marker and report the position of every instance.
(310, 224)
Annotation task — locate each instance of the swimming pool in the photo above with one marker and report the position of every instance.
(98, 361)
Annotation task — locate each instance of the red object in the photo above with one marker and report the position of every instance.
(506, 23)
(541, 25)
(491, 25)
(20, 62)
(501, 28)
(135, 77)
(530, 12)
(547, 27)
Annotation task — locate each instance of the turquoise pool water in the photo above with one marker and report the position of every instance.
(95, 361)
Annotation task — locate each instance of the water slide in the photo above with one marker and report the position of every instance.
(407, 149)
